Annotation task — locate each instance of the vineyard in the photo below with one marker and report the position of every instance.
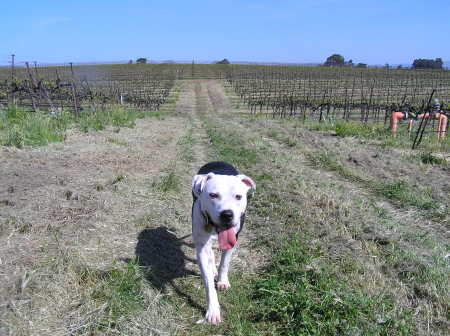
(80, 87)
(323, 94)
(331, 93)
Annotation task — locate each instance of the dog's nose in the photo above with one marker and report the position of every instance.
(226, 216)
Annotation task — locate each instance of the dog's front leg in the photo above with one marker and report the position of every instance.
(222, 281)
(204, 252)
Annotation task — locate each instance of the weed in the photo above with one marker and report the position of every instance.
(168, 183)
(430, 158)
(117, 141)
(117, 179)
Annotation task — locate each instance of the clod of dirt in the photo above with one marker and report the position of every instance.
(352, 159)
(380, 240)
(68, 195)
(7, 203)
(11, 189)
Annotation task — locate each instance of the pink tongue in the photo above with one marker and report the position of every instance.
(227, 239)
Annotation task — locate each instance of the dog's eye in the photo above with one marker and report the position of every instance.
(214, 195)
(238, 197)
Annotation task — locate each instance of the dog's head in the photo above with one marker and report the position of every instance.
(222, 197)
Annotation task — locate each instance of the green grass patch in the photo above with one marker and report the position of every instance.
(20, 127)
(186, 144)
(295, 296)
(230, 148)
(117, 141)
(353, 129)
(99, 119)
(330, 162)
(120, 290)
(402, 193)
(118, 178)
(168, 183)
(430, 158)
(361, 130)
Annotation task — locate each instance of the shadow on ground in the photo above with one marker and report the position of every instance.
(159, 252)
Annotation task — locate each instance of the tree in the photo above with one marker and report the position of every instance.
(130, 62)
(361, 65)
(350, 63)
(224, 61)
(423, 63)
(335, 60)
(141, 60)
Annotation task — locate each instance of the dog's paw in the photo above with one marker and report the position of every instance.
(213, 316)
(222, 285)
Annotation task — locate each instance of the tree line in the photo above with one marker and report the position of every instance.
(337, 60)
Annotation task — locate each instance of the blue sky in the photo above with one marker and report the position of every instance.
(308, 31)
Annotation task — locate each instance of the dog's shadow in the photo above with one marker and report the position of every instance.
(160, 253)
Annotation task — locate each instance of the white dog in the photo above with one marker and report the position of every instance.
(218, 213)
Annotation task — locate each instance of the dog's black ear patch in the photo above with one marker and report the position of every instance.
(219, 168)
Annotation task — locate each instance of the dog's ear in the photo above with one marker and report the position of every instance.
(247, 181)
(198, 183)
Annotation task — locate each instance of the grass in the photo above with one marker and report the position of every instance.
(19, 127)
(230, 148)
(168, 183)
(118, 290)
(398, 191)
(401, 192)
(381, 132)
(187, 143)
(353, 129)
(431, 159)
(115, 116)
(296, 297)
(330, 162)
(117, 141)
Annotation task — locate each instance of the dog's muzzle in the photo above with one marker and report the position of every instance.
(226, 217)
(225, 220)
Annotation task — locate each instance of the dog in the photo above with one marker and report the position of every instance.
(218, 212)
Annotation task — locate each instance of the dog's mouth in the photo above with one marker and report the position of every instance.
(226, 234)
(227, 239)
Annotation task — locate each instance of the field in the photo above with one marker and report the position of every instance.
(347, 232)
